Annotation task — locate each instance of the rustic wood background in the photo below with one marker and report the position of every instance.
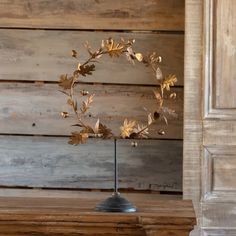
(36, 38)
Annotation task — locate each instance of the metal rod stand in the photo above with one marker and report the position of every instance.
(115, 203)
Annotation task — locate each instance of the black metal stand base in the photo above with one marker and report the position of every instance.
(115, 203)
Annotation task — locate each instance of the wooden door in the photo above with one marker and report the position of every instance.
(210, 114)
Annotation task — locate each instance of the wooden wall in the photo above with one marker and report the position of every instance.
(36, 38)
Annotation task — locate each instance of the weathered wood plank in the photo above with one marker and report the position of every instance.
(47, 216)
(193, 103)
(51, 162)
(53, 193)
(28, 108)
(45, 55)
(93, 14)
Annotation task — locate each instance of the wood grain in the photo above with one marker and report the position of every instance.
(226, 130)
(41, 55)
(217, 232)
(219, 216)
(217, 213)
(28, 108)
(224, 173)
(53, 193)
(193, 103)
(218, 173)
(51, 162)
(93, 14)
(30, 216)
(224, 53)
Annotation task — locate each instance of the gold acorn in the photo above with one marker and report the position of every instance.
(134, 144)
(161, 132)
(84, 92)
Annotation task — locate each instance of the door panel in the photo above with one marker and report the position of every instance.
(224, 53)
(218, 205)
(215, 134)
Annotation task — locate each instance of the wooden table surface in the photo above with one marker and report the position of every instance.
(62, 216)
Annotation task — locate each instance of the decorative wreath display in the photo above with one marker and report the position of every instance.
(82, 102)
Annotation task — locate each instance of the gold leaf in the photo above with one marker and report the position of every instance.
(139, 56)
(88, 47)
(170, 80)
(87, 103)
(87, 130)
(85, 70)
(142, 131)
(150, 119)
(65, 82)
(165, 119)
(158, 97)
(169, 112)
(78, 138)
(130, 55)
(173, 95)
(105, 131)
(70, 102)
(96, 128)
(113, 48)
(127, 129)
(159, 74)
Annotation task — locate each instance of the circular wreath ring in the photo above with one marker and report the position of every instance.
(130, 128)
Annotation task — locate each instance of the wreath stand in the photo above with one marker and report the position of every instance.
(115, 203)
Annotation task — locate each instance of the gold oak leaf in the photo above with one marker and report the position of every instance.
(113, 48)
(159, 74)
(168, 111)
(96, 127)
(127, 128)
(72, 103)
(78, 138)
(142, 131)
(86, 70)
(150, 119)
(87, 103)
(87, 130)
(105, 131)
(65, 82)
(158, 97)
(170, 80)
(130, 55)
(88, 47)
(102, 131)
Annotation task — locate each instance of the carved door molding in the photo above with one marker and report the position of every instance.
(209, 177)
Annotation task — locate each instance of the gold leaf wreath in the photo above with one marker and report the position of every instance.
(130, 128)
